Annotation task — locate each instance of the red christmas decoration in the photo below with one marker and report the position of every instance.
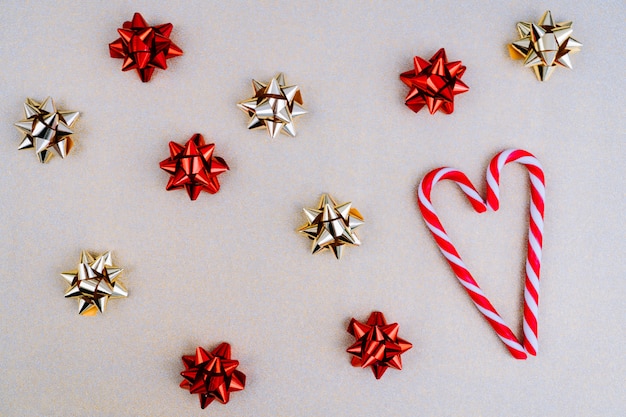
(193, 167)
(144, 47)
(434, 83)
(213, 376)
(377, 344)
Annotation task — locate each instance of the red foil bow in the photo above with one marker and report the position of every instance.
(434, 83)
(213, 376)
(144, 47)
(193, 167)
(377, 344)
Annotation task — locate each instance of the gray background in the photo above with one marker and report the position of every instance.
(230, 267)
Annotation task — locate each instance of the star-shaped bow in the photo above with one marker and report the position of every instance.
(144, 47)
(377, 344)
(545, 45)
(331, 226)
(46, 128)
(194, 167)
(274, 106)
(434, 83)
(94, 283)
(213, 376)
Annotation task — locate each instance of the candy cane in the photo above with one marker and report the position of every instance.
(535, 241)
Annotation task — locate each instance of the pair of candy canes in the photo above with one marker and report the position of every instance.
(528, 346)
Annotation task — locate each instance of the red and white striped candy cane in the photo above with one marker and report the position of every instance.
(535, 241)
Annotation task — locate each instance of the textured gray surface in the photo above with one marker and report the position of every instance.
(230, 267)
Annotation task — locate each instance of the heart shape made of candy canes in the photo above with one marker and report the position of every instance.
(492, 203)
